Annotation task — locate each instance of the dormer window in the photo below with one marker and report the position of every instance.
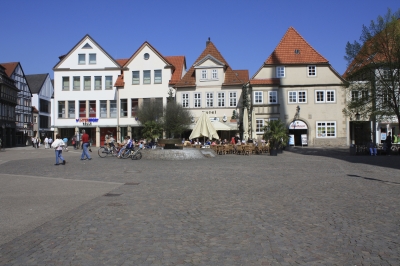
(297, 51)
(204, 74)
(214, 74)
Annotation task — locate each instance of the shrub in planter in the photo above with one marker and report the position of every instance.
(276, 133)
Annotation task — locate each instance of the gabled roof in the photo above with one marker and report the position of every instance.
(179, 63)
(189, 79)
(120, 81)
(243, 75)
(10, 67)
(271, 81)
(122, 62)
(36, 81)
(209, 57)
(87, 36)
(294, 49)
(151, 48)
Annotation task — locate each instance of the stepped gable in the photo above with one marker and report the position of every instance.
(294, 49)
(189, 79)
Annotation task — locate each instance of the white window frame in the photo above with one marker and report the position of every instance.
(221, 99)
(146, 79)
(214, 74)
(204, 74)
(298, 95)
(109, 82)
(312, 71)
(98, 82)
(327, 96)
(85, 79)
(232, 98)
(76, 83)
(92, 59)
(185, 100)
(209, 99)
(323, 96)
(319, 125)
(197, 100)
(81, 59)
(280, 72)
(271, 94)
(65, 83)
(136, 80)
(157, 76)
(260, 123)
(257, 95)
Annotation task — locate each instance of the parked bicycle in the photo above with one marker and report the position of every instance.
(134, 154)
(108, 150)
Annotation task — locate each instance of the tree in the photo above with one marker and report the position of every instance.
(151, 110)
(373, 70)
(276, 132)
(152, 130)
(176, 119)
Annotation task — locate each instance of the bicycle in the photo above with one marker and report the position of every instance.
(134, 154)
(105, 151)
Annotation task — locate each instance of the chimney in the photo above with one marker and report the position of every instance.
(207, 42)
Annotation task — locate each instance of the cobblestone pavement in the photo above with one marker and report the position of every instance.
(303, 207)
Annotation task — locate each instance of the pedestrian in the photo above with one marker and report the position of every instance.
(50, 141)
(388, 144)
(57, 145)
(38, 142)
(74, 142)
(85, 145)
(33, 142)
(66, 144)
(46, 143)
(372, 148)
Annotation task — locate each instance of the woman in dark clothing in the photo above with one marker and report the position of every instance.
(388, 144)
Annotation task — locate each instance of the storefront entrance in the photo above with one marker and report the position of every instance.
(298, 130)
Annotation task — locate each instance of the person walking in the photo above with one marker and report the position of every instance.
(85, 145)
(58, 146)
(46, 143)
(388, 144)
(33, 142)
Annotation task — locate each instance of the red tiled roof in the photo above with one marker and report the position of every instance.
(242, 75)
(272, 81)
(285, 52)
(10, 67)
(34, 110)
(179, 63)
(120, 81)
(122, 62)
(189, 79)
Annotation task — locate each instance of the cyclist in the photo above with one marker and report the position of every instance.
(130, 144)
(123, 146)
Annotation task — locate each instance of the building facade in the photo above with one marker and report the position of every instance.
(42, 91)
(23, 110)
(8, 102)
(212, 86)
(297, 85)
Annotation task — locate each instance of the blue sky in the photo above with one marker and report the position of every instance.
(35, 33)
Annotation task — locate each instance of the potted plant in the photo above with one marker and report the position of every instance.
(276, 133)
(234, 116)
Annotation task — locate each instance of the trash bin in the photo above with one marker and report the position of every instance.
(353, 149)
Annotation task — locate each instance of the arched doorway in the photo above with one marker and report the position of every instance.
(299, 131)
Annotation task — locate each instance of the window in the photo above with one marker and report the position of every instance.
(65, 83)
(87, 83)
(109, 82)
(61, 109)
(71, 109)
(322, 96)
(326, 129)
(221, 99)
(259, 125)
(146, 56)
(197, 100)
(354, 96)
(97, 83)
(44, 105)
(185, 100)
(312, 71)
(280, 72)
(92, 108)
(81, 59)
(258, 97)
(273, 97)
(232, 99)
(113, 108)
(103, 108)
(77, 83)
(135, 78)
(214, 74)
(209, 99)
(82, 109)
(204, 74)
(157, 77)
(146, 77)
(92, 59)
(364, 95)
(297, 97)
(124, 108)
(135, 105)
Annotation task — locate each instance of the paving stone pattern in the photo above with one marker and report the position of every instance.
(303, 207)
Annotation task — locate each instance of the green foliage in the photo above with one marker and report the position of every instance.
(277, 133)
(150, 111)
(176, 119)
(152, 130)
(234, 114)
